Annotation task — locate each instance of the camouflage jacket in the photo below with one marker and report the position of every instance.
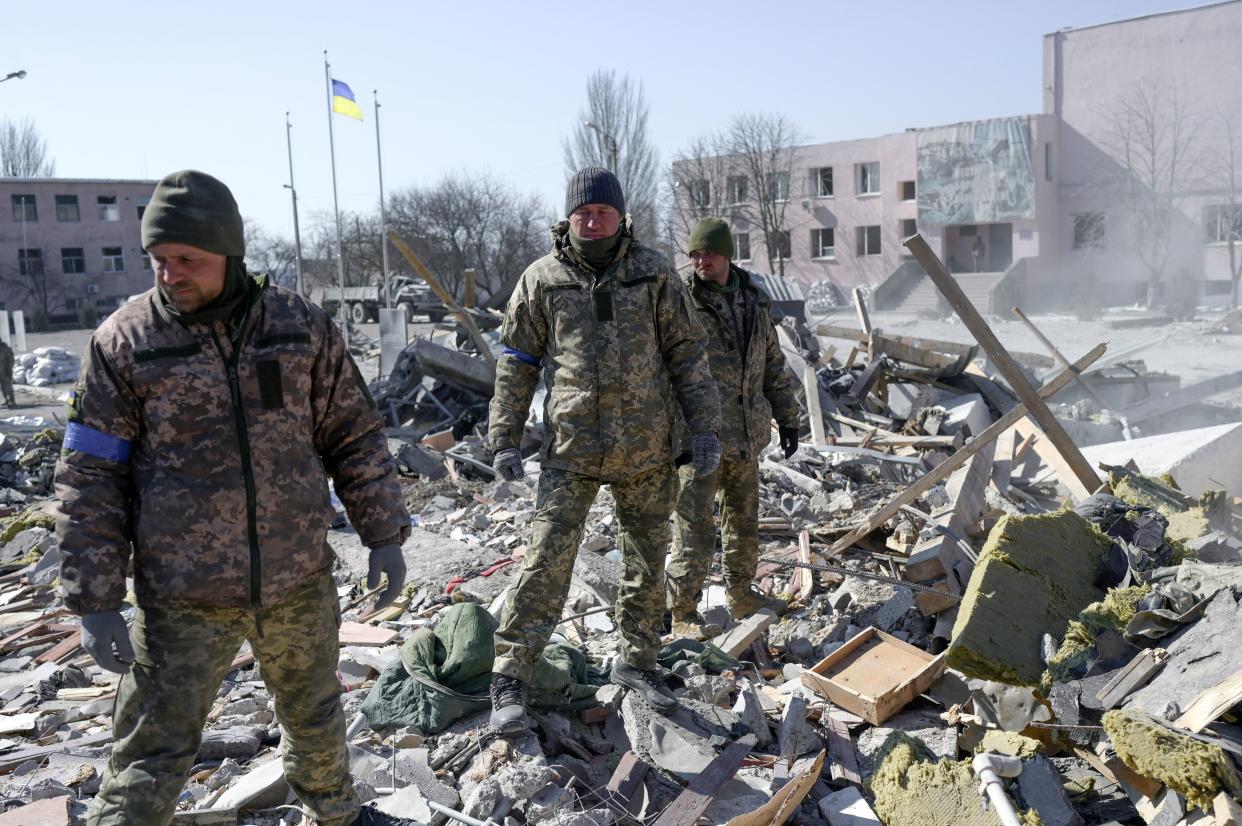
(213, 460)
(618, 351)
(754, 385)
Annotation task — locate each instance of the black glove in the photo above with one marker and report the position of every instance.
(705, 449)
(106, 638)
(508, 463)
(386, 559)
(789, 440)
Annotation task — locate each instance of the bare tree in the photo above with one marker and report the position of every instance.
(270, 254)
(744, 173)
(23, 152)
(1223, 222)
(618, 106)
(31, 277)
(1154, 139)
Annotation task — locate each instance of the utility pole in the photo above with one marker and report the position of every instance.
(612, 144)
(297, 237)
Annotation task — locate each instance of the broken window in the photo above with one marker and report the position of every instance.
(821, 182)
(114, 259)
(778, 186)
(909, 226)
(1222, 223)
(823, 242)
(868, 178)
(109, 210)
(741, 246)
(737, 189)
(907, 190)
(67, 208)
(869, 240)
(1088, 230)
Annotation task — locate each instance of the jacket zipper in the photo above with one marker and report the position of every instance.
(243, 443)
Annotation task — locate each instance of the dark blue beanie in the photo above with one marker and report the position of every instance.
(594, 185)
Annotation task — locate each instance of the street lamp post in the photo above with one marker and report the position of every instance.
(19, 74)
(297, 238)
(612, 143)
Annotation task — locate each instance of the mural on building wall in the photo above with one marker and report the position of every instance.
(976, 173)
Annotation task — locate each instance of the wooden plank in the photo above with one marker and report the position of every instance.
(1211, 704)
(12, 760)
(953, 348)
(807, 584)
(814, 412)
(62, 649)
(625, 781)
(1184, 397)
(864, 319)
(1136, 674)
(691, 803)
(737, 639)
(844, 758)
(1004, 362)
(953, 462)
(785, 802)
(355, 633)
(1053, 459)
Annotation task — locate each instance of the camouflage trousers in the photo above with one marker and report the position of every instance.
(181, 656)
(694, 531)
(6, 385)
(535, 602)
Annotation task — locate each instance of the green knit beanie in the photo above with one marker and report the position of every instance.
(711, 234)
(191, 207)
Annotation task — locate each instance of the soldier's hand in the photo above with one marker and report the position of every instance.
(705, 454)
(508, 463)
(789, 440)
(106, 638)
(386, 559)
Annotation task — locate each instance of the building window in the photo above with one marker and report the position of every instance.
(700, 193)
(778, 186)
(907, 190)
(823, 243)
(114, 259)
(109, 210)
(67, 208)
(1088, 230)
(967, 230)
(821, 182)
(741, 246)
(145, 259)
(24, 209)
(909, 226)
(142, 205)
(30, 262)
(868, 240)
(781, 246)
(1048, 161)
(1222, 223)
(868, 178)
(72, 260)
(737, 189)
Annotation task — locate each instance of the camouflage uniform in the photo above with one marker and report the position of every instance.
(749, 368)
(617, 351)
(212, 459)
(6, 374)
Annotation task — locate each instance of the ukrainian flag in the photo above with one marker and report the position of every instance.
(343, 100)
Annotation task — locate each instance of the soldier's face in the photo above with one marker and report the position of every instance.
(710, 266)
(188, 277)
(595, 221)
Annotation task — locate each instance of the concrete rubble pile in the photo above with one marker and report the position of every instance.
(967, 623)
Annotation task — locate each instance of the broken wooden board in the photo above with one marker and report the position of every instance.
(691, 803)
(874, 675)
(954, 348)
(1135, 675)
(625, 780)
(354, 633)
(737, 639)
(786, 801)
(843, 766)
(1211, 704)
(12, 760)
(1051, 457)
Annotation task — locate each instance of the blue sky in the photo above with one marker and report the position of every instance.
(138, 89)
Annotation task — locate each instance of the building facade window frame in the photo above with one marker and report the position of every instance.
(823, 243)
(29, 261)
(868, 238)
(908, 191)
(72, 260)
(109, 208)
(67, 209)
(1088, 230)
(741, 246)
(114, 259)
(735, 189)
(1222, 223)
(821, 182)
(25, 208)
(778, 186)
(867, 179)
(781, 245)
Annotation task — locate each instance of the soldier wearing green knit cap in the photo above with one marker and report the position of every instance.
(746, 361)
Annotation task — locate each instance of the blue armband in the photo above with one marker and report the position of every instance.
(533, 361)
(102, 445)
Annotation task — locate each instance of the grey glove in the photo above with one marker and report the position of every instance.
(508, 463)
(386, 559)
(705, 454)
(105, 636)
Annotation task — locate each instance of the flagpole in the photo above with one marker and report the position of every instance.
(297, 238)
(383, 224)
(336, 209)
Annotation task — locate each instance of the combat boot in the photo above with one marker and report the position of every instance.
(742, 602)
(508, 705)
(693, 626)
(649, 684)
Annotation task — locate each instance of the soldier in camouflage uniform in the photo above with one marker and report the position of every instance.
(207, 419)
(755, 388)
(6, 374)
(606, 322)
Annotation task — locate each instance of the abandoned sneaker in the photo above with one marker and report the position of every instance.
(694, 627)
(649, 684)
(371, 816)
(508, 705)
(743, 603)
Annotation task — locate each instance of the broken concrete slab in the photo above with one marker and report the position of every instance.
(261, 787)
(847, 808)
(795, 736)
(1034, 573)
(1206, 458)
(1043, 790)
(53, 811)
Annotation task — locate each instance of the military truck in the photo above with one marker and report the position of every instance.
(362, 304)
